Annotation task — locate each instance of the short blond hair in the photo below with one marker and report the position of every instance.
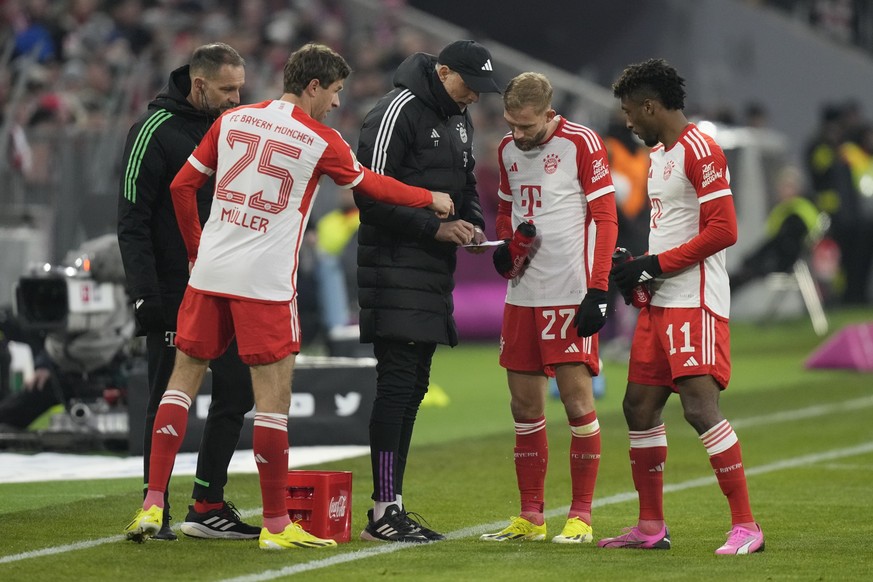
(528, 90)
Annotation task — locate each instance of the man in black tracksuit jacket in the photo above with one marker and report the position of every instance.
(419, 133)
(156, 265)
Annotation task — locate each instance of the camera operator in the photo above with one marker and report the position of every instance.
(84, 347)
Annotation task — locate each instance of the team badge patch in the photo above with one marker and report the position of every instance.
(462, 130)
(550, 163)
(668, 169)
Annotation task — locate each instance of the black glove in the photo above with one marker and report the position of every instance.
(149, 314)
(638, 270)
(591, 314)
(502, 259)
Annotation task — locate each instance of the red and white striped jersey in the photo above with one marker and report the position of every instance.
(691, 173)
(552, 185)
(268, 158)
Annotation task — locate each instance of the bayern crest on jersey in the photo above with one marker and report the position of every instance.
(550, 163)
(462, 130)
(668, 169)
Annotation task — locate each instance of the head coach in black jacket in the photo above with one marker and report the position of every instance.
(156, 266)
(419, 133)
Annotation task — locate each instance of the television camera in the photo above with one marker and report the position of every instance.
(82, 309)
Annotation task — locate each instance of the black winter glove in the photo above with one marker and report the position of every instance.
(149, 314)
(638, 270)
(591, 314)
(502, 259)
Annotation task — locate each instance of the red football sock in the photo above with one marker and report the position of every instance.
(171, 421)
(726, 458)
(531, 461)
(648, 454)
(205, 506)
(270, 446)
(584, 463)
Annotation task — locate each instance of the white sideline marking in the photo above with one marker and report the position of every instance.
(91, 543)
(818, 410)
(612, 499)
(801, 413)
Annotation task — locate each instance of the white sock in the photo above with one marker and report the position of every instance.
(380, 507)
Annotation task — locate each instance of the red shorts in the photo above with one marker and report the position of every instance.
(265, 332)
(534, 339)
(670, 343)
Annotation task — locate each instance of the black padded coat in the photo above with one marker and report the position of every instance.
(417, 134)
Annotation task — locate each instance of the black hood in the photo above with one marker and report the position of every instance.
(418, 74)
(174, 96)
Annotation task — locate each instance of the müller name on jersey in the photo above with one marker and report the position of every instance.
(239, 218)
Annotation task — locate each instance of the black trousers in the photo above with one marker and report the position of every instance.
(402, 378)
(232, 398)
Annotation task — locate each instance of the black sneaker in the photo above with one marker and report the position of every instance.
(393, 527)
(224, 523)
(417, 519)
(166, 533)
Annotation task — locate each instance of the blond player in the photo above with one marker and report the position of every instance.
(553, 173)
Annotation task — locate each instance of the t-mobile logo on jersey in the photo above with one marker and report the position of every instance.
(170, 339)
(531, 198)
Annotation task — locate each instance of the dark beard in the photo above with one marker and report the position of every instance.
(528, 145)
(208, 109)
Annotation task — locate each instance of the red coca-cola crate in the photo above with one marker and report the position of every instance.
(322, 502)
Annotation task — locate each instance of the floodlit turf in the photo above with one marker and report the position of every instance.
(807, 438)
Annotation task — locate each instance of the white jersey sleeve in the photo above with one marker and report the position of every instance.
(551, 185)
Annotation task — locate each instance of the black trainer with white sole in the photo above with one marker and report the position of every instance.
(418, 520)
(394, 526)
(224, 523)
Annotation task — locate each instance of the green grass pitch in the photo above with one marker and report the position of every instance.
(807, 440)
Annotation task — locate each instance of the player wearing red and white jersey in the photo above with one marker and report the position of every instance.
(682, 180)
(277, 152)
(267, 159)
(555, 174)
(681, 341)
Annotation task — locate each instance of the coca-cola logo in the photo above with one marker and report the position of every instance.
(337, 507)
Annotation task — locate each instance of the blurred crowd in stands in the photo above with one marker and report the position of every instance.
(846, 21)
(95, 64)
